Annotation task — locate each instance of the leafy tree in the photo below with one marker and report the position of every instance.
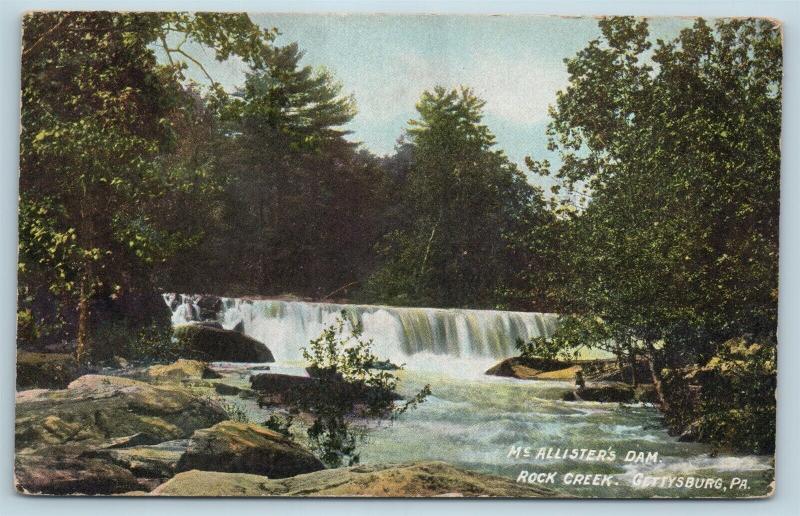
(348, 385)
(97, 112)
(302, 203)
(463, 206)
(670, 161)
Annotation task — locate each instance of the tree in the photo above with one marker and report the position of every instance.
(670, 158)
(302, 203)
(347, 384)
(97, 113)
(463, 206)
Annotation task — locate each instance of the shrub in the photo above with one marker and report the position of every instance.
(343, 363)
(737, 404)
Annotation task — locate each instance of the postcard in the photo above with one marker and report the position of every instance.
(376, 255)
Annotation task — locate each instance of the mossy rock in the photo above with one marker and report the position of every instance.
(53, 471)
(236, 447)
(563, 375)
(96, 408)
(45, 370)
(213, 344)
(156, 461)
(426, 479)
(180, 370)
(525, 368)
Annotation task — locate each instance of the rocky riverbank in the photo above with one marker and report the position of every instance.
(594, 380)
(165, 430)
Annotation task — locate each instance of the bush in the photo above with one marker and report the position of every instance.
(148, 343)
(280, 424)
(340, 356)
(234, 411)
(737, 404)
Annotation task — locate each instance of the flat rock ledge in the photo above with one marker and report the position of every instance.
(425, 479)
(235, 447)
(95, 408)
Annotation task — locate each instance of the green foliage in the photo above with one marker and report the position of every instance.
(670, 168)
(150, 343)
(464, 210)
(739, 381)
(98, 115)
(295, 184)
(342, 362)
(234, 411)
(676, 150)
(27, 331)
(280, 423)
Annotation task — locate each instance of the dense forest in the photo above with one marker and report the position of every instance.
(660, 240)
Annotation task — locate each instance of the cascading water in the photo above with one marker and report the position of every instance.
(398, 333)
(472, 420)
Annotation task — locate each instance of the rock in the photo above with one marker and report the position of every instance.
(209, 324)
(211, 344)
(384, 365)
(646, 394)
(609, 371)
(236, 447)
(157, 461)
(566, 375)
(227, 390)
(52, 471)
(607, 393)
(424, 479)
(95, 408)
(282, 389)
(130, 441)
(183, 369)
(45, 370)
(525, 368)
(210, 306)
(239, 327)
(119, 362)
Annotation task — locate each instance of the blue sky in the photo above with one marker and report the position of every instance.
(515, 63)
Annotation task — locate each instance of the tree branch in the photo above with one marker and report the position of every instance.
(53, 29)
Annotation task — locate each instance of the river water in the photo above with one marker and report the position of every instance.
(485, 423)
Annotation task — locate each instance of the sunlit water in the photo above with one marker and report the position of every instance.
(473, 421)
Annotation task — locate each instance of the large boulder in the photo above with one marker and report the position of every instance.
(282, 389)
(45, 370)
(236, 447)
(156, 461)
(183, 369)
(426, 479)
(60, 471)
(95, 408)
(526, 368)
(214, 344)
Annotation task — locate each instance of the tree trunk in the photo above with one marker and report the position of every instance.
(84, 348)
(656, 377)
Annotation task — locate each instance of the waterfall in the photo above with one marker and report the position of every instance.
(397, 332)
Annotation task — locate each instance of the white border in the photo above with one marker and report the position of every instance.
(786, 499)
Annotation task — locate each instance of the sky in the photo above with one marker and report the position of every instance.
(515, 63)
